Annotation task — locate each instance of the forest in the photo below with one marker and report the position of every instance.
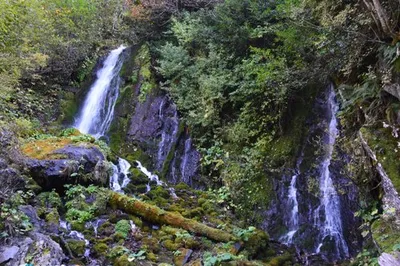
(200, 132)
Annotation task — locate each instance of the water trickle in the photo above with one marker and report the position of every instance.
(293, 204)
(188, 145)
(95, 225)
(79, 236)
(329, 208)
(294, 220)
(98, 109)
(150, 175)
(169, 132)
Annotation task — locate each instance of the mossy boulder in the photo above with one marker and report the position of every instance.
(257, 242)
(77, 247)
(123, 228)
(100, 249)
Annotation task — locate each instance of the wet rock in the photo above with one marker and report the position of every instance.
(77, 247)
(37, 249)
(183, 257)
(387, 259)
(3, 163)
(8, 254)
(11, 180)
(86, 156)
(55, 174)
(30, 211)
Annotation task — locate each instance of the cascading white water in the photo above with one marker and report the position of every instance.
(98, 109)
(151, 176)
(294, 219)
(120, 176)
(329, 208)
(293, 224)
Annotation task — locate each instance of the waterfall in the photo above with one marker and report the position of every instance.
(329, 207)
(98, 109)
(309, 206)
(293, 204)
(294, 220)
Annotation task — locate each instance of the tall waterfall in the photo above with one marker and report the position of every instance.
(98, 109)
(329, 208)
(309, 205)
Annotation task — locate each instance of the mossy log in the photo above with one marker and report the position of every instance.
(154, 214)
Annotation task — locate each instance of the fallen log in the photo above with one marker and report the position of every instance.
(154, 214)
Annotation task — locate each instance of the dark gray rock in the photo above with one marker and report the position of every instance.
(11, 180)
(3, 163)
(30, 211)
(8, 254)
(54, 174)
(86, 156)
(46, 251)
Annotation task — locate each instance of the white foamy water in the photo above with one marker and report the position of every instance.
(98, 109)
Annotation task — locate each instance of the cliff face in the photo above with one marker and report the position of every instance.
(147, 126)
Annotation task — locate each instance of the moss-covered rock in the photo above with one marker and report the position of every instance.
(100, 249)
(387, 150)
(385, 235)
(77, 247)
(123, 227)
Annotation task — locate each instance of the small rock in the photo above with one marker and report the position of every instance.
(3, 163)
(183, 257)
(29, 211)
(387, 259)
(8, 254)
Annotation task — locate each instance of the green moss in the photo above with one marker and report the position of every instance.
(77, 247)
(170, 245)
(159, 191)
(50, 200)
(53, 217)
(100, 249)
(123, 227)
(387, 151)
(385, 235)
(69, 107)
(284, 259)
(257, 242)
(123, 261)
(117, 252)
(151, 256)
(77, 226)
(182, 186)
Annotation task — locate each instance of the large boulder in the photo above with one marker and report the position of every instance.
(78, 165)
(36, 249)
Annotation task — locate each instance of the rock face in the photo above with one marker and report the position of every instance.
(78, 163)
(156, 129)
(150, 128)
(36, 249)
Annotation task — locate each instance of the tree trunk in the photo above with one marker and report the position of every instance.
(154, 214)
(380, 16)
